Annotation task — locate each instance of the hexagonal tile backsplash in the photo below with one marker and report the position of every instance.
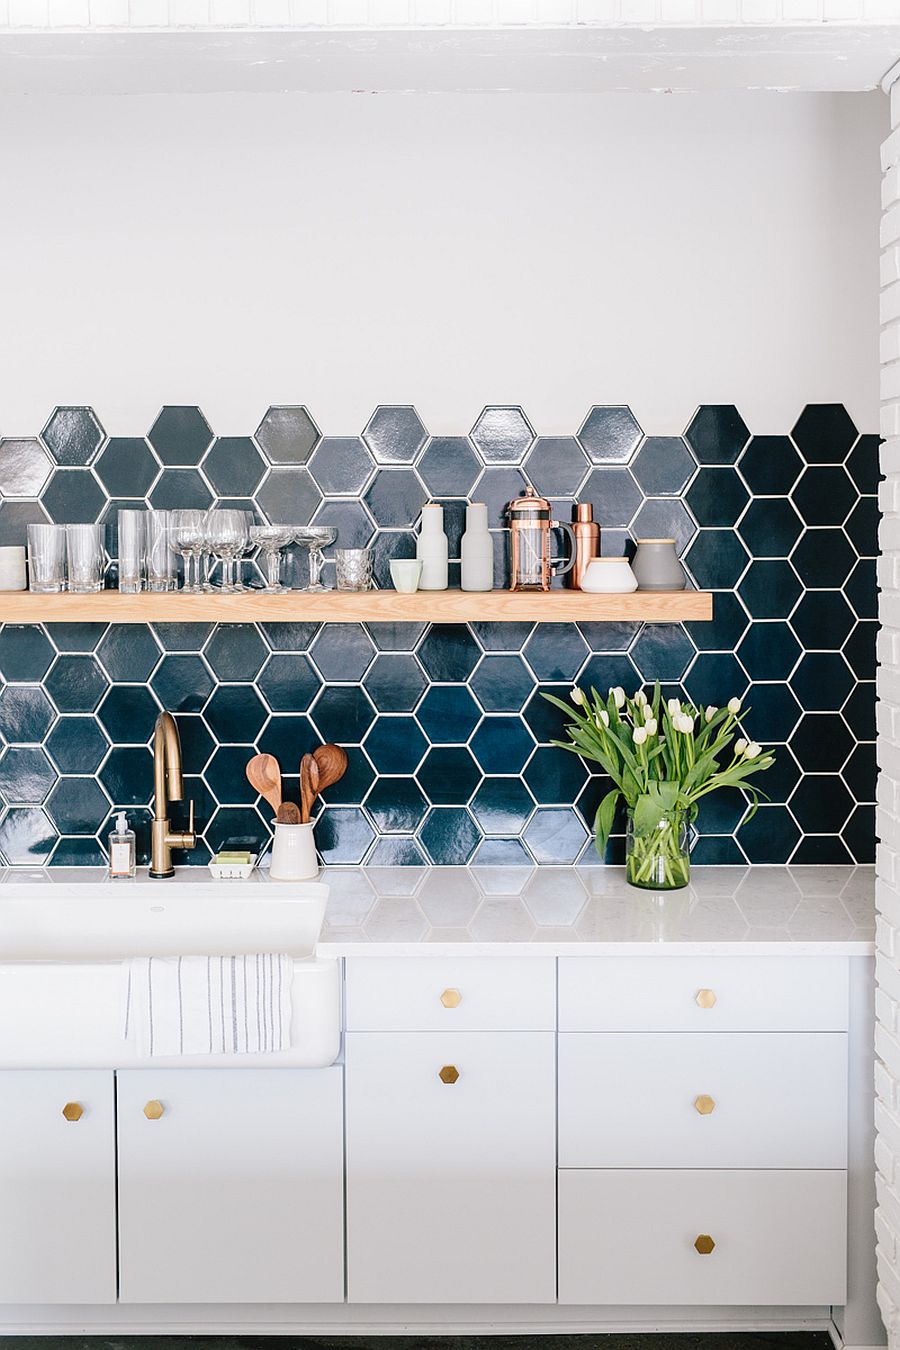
(449, 740)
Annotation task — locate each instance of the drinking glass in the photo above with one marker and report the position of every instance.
(132, 529)
(315, 538)
(245, 548)
(354, 569)
(227, 536)
(271, 539)
(47, 558)
(187, 535)
(160, 558)
(84, 553)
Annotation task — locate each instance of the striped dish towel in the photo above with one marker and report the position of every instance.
(209, 1005)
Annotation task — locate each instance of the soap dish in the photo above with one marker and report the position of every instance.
(232, 871)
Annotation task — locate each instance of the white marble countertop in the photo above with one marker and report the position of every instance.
(511, 911)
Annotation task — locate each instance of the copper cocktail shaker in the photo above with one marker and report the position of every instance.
(587, 543)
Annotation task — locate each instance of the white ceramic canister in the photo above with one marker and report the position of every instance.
(432, 549)
(293, 854)
(477, 551)
(12, 568)
(656, 566)
(609, 576)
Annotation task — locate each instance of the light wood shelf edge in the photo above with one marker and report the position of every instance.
(355, 607)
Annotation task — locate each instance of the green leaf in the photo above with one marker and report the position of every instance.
(652, 806)
(603, 821)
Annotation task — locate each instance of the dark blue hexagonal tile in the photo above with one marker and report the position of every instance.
(386, 545)
(662, 652)
(343, 834)
(24, 467)
(26, 714)
(226, 776)
(395, 434)
(822, 620)
(234, 466)
(288, 682)
(288, 736)
(770, 836)
(608, 670)
(449, 466)
(714, 678)
(824, 433)
(15, 517)
(555, 835)
(449, 653)
(502, 435)
(783, 776)
(502, 637)
(77, 637)
(544, 720)
(863, 465)
(351, 789)
(862, 526)
(770, 588)
(77, 852)
(663, 466)
(26, 775)
(861, 589)
(127, 467)
(818, 850)
(127, 775)
(73, 435)
(661, 518)
(395, 851)
(717, 851)
(823, 558)
(821, 804)
(78, 806)
(556, 651)
(182, 682)
(502, 745)
(236, 651)
(395, 498)
(822, 681)
(449, 836)
(26, 837)
(235, 714)
(768, 651)
(859, 834)
(717, 496)
(128, 714)
(859, 649)
(341, 465)
(824, 495)
(614, 495)
(396, 805)
(448, 775)
(76, 683)
(860, 772)
(180, 489)
(721, 812)
(610, 434)
(448, 714)
(502, 806)
(342, 651)
(395, 745)
(555, 776)
(771, 714)
(73, 497)
(128, 652)
(497, 488)
(502, 683)
(770, 527)
(238, 822)
(196, 741)
(717, 434)
(609, 637)
(287, 434)
(77, 745)
(723, 631)
(343, 714)
(501, 853)
(25, 652)
(289, 497)
(770, 465)
(352, 521)
(394, 682)
(556, 466)
(180, 435)
(822, 742)
(289, 637)
(396, 637)
(716, 559)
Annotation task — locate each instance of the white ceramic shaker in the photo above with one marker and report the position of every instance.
(432, 549)
(477, 550)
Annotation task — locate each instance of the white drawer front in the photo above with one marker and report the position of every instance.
(676, 1099)
(628, 1237)
(451, 994)
(698, 993)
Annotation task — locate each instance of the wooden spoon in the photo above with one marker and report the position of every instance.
(309, 786)
(288, 813)
(332, 762)
(264, 773)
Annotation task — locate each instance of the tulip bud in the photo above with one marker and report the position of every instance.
(618, 696)
(650, 726)
(640, 698)
(740, 746)
(734, 705)
(640, 735)
(711, 712)
(603, 718)
(674, 707)
(577, 696)
(752, 750)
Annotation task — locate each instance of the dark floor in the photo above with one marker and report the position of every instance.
(787, 1340)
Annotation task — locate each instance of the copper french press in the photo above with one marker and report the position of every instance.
(530, 524)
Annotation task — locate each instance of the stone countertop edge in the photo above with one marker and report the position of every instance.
(562, 911)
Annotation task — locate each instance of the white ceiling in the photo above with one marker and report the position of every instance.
(586, 59)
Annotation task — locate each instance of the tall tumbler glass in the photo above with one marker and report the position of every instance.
(160, 557)
(84, 549)
(132, 548)
(47, 558)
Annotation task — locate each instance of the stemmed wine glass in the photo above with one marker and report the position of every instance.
(315, 538)
(271, 539)
(227, 537)
(187, 538)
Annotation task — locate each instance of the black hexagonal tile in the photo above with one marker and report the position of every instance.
(770, 588)
(822, 742)
(822, 620)
(862, 526)
(448, 714)
(824, 433)
(24, 467)
(556, 466)
(449, 466)
(662, 518)
(73, 435)
(859, 711)
(555, 835)
(724, 630)
(25, 652)
(127, 467)
(824, 495)
(180, 435)
(861, 589)
(717, 434)
(770, 527)
(289, 497)
(234, 466)
(395, 682)
(859, 834)
(663, 466)
(822, 681)
(502, 435)
(397, 805)
(76, 683)
(716, 559)
(395, 434)
(449, 836)
(859, 649)
(127, 775)
(26, 714)
(26, 837)
(182, 682)
(235, 714)
(662, 652)
(26, 775)
(860, 772)
(77, 745)
(448, 775)
(714, 678)
(128, 652)
(610, 434)
(821, 850)
(770, 465)
(395, 498)
(768, 651)
(717, 496)
(781, 778)
(342, 651)
(771, 714)
(821, 804)
(341, 465)
(78, 806)
(343, 714)
(863, 465)
(502, 806)
(180, 489)
(823, 557)
(770, 836)
(73, 497)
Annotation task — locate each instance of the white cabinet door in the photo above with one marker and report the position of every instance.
(230, 1186)
(451, 1167)
(57, 1187)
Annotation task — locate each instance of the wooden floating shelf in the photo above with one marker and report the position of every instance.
(358, 607)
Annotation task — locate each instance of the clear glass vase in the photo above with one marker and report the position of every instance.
(659, 859)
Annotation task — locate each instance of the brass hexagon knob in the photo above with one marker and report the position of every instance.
(449, 1073)
(704, 1244)
(73, 1110)
(451, 998)
(705, 998)
(704, 1104)
(154, 1109)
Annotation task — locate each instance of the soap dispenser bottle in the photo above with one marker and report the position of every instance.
(122, 849)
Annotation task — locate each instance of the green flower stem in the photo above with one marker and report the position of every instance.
(655, 853)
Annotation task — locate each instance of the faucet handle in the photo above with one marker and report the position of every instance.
(190, 828)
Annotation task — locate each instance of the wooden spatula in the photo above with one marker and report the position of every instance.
(288, 813)
(332, 762)
(309, 786)
(264, 774)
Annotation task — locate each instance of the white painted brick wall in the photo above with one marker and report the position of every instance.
(887, 999)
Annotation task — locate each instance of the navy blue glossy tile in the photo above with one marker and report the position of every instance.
(235, 714)
(769, 651)
(341, 465)
(77, 806)
(343, 713)
(395, 434)
(822, 743)
(355, 527)
(386, 545)
(502, 683)
(289, 637)
(128, 714)
(822, 681)
(544, 720)
(555, 835)
(128, 652)
(614, 495)
(770, 836)
(862, 526)
(288, 736)
(342, 651)
(861, 589)
(823, 558)
(395, 498)
(73, 497)
(396, 637)
(77, 852)
(502, 806)
(73, 435)
(180, 489)
(396, 805)
(180, 435)
(26, 837)
(717, 434)
(226, 777)
(182, 683)
(772, 713)
(26, 714)
(76, 683)
(502, 435)
(721, 812)
(556, 466)
(26, 775)
(449, 836)
(25, 652)
(501, 853)
(343, 834)
(502, 745)
(863, 465)
(448, 775)
(556, 651)
(238, 822)
(822, 620)
(716, 559)
(824, 433)
(395, 851)
(609, 434)
(287, 434)
(352, 788)
(197, 744)
(77, 745)
(824, 495)
(821, 804)
(717, 851)
(127, 467)
(770, 527)
(663, 466)
(781, 779)
(448, 714)
(289, 682)
(395, 745)
(770, 465)
(723, 631)
(714, 678)
(663, 518)
(24, 467)
(234, 466)
(662, 652)
(77, 637)
(770, 588)
(609, 636)
(717, 496)
(449, 653)
(236, 651)
(497, 488)
(859, 834)
(859, 649)
(15, 517)
(554, 776)
(394, 682)
(288, 497)
(502, 637)
(127, 775)
(859, 711)
(449, 466)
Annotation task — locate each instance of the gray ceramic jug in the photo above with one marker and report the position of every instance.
(656, 566)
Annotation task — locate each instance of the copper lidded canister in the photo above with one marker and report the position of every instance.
(530, 524)
(587, 543)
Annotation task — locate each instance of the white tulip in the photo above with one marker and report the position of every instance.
(640, 698)
(674, 707)
(740, 746)
(650, 726)
(640, 735)
(683, 723)
(618, 696)
(711, 712)
(603, 718)
(752, 750)
(734, 705)
(577, 696)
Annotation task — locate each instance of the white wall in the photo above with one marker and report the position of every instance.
(237, 250)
